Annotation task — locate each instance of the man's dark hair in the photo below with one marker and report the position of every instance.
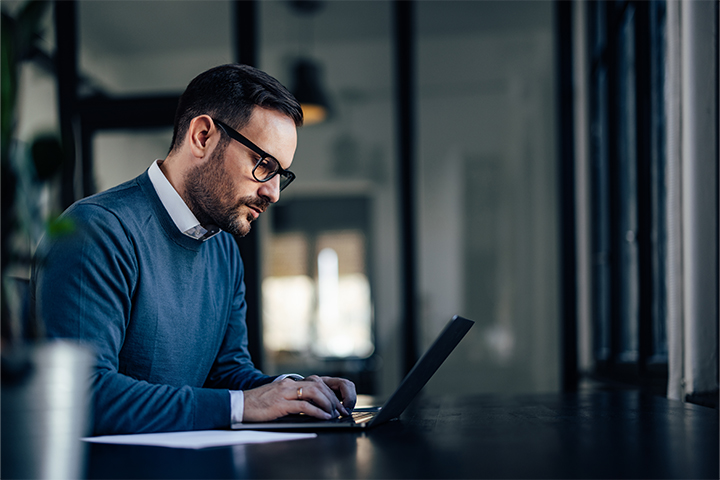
(229, 93)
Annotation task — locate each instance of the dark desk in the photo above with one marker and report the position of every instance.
(587, 435)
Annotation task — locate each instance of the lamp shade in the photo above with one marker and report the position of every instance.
(309, 92)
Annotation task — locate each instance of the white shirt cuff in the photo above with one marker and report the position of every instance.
(294, 376)
(237, 406)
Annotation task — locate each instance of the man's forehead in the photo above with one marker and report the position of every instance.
(274, 132)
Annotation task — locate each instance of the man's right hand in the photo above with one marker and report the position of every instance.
(311, 396)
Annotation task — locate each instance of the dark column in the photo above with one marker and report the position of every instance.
(405, 114)
(643, 99)
(568, 262)
(246, 32)
(246, 52)
(66, 59)
(614, 14)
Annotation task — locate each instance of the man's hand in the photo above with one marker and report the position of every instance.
(321, 397)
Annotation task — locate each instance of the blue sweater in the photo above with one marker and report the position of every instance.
(164, 312)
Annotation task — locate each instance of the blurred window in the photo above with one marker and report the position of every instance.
(324, 307)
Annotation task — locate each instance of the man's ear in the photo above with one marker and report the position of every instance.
(199, 135)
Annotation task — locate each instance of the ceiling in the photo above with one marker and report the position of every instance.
(116, 26)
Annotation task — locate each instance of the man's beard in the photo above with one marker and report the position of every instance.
(209, 195)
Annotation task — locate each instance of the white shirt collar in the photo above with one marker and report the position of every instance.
(176, 207)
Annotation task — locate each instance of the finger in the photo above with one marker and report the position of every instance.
(318, 394)
(337, 387)
(345, 389)
(314, 378)
(336, 399)
(328, 389)
(330, 384)
(348, 394)
(308, 408)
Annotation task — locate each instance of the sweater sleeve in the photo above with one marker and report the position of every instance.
(83, 286)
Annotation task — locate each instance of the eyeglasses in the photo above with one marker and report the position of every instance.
(265, 168)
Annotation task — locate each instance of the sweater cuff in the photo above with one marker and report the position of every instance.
(212, 409)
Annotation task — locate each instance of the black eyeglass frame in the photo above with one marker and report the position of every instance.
(286, 176)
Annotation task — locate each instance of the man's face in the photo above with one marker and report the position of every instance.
(222, 191)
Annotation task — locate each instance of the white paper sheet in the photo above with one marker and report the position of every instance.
(199, 439)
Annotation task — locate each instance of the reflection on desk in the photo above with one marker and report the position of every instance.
(623, 434)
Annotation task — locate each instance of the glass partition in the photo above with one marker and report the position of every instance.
(330, 256)
(488, 191)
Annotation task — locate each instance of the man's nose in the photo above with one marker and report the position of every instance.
(270, 190)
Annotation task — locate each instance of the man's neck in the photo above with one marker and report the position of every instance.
(167, 168)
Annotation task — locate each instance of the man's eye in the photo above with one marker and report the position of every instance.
(265, 167)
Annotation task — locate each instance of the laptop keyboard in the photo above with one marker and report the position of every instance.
(358, 417)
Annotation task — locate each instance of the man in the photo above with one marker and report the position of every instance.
(152, 279)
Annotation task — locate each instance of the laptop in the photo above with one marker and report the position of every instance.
(369, 417)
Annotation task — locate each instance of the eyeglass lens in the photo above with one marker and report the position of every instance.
(265, 169)
(268, 167)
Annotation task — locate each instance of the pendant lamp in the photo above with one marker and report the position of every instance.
(308, 91)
